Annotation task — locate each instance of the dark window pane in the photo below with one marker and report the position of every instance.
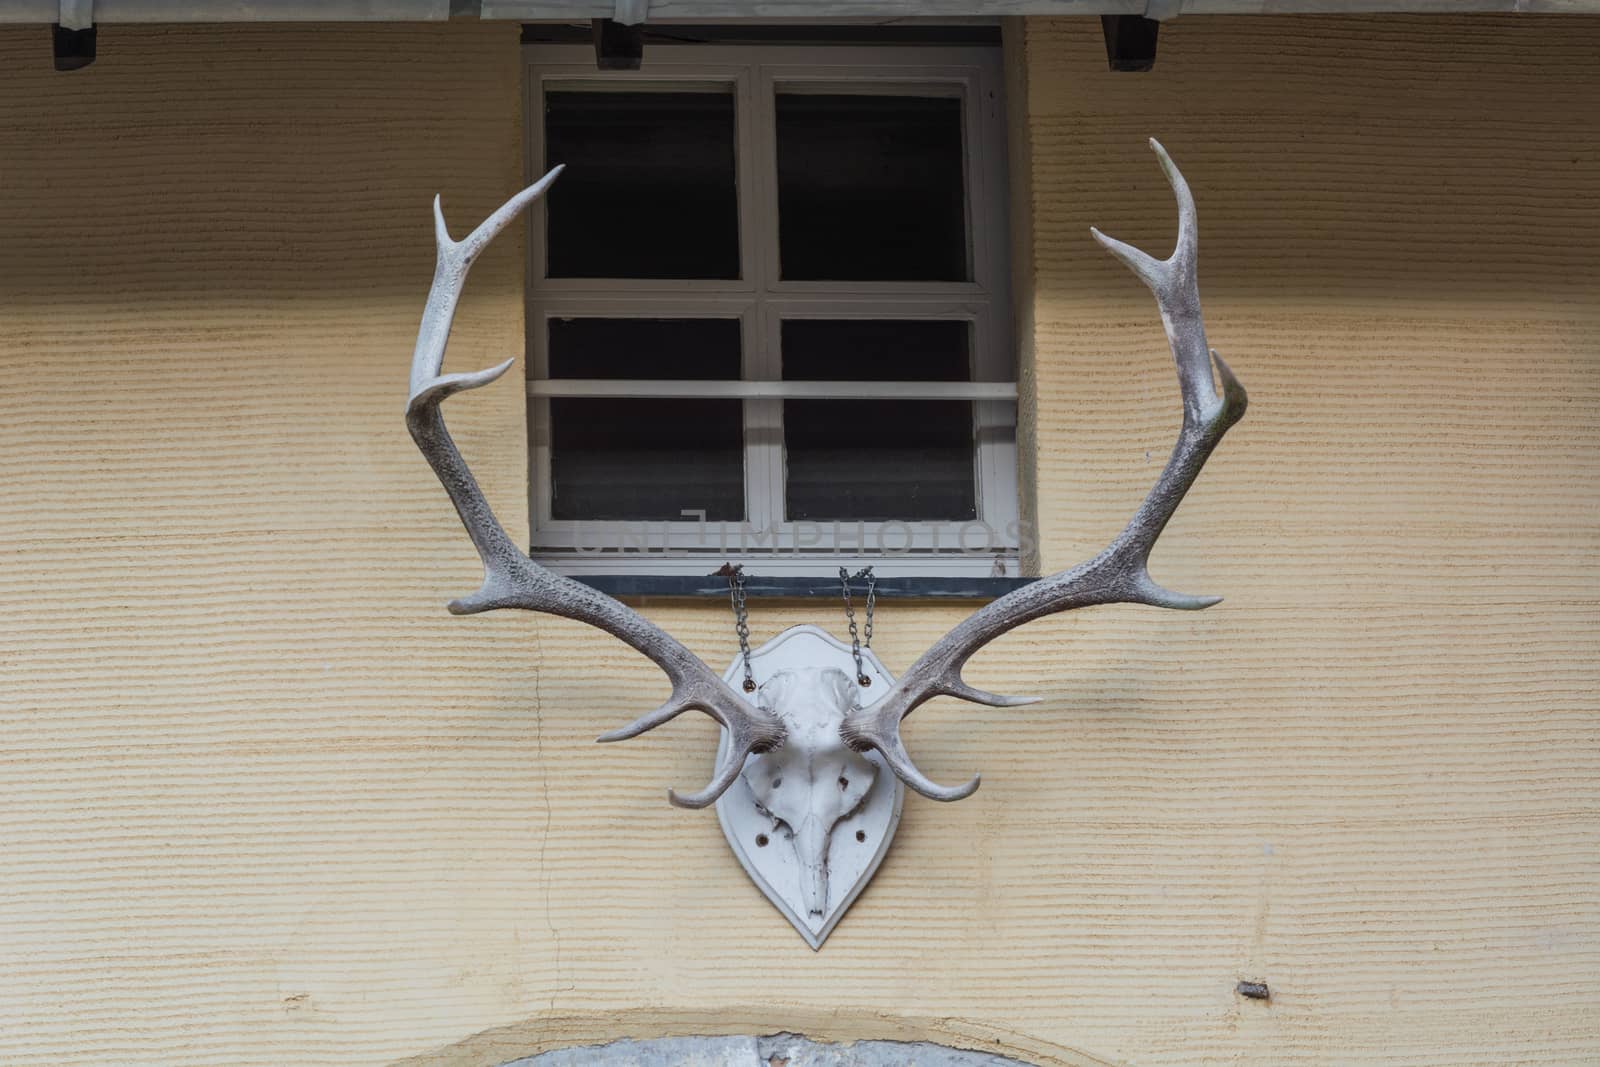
(878, 460)
(649, 190)
(645, 459)
(870, 188)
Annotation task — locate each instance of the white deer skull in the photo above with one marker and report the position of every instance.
(814, 779)
(811, 820)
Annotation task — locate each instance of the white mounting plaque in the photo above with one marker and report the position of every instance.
(763, 842)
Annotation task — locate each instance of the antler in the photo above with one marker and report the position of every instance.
(1119, 574)
(511, 579)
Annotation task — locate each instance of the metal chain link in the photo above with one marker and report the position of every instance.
(872, 600)
(741, 620)
(850, 617)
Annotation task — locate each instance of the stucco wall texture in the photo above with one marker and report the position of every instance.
(263, 802)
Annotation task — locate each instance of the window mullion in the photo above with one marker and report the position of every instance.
(757, 433)
(765, 417)
(764, 183)
(764, 422)
(747, 175)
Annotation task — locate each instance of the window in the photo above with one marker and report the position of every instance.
(769, 313)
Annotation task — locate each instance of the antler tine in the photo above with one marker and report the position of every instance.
(511, 579)
(1118, 575)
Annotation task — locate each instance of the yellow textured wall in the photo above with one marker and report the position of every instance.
(262, 801)
(1370, 777)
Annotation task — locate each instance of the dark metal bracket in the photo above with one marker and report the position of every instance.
(618, 46)
(1130, 41)
(74, 49)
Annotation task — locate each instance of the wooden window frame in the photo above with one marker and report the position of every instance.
(761, 301)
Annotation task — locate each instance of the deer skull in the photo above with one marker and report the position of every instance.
(814, 779)
(810, 820)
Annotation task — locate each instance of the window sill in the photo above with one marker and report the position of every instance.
(817, 566)
(710, 586)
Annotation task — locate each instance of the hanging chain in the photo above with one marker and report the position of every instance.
(850, 617)
(741, 620)
(872, 600)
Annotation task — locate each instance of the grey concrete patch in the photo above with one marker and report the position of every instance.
(774, 1050)
(660, 1052)
(791, 1050)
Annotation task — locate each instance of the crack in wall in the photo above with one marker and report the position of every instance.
(549, 816)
